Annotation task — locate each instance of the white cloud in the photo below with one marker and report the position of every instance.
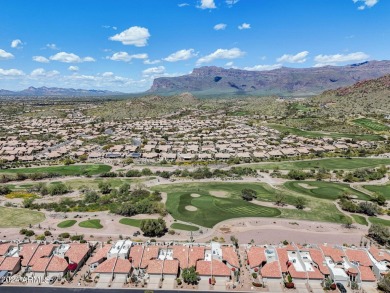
(73, 68)
(109, 26)
(16, 43)
(263, 67)
(154, 70)
(229, 64)
(323, 60)
(220, 26)
(183, 4)
(125, 57)
(181, 55)
(365, 3)
(230, 3)
(11, 72)
(244, 26)
(137, 36)
(207, 4)
(108, 73)
(5, 55)
(221, 54)
(70, 58)
(52, 46)
(40, 59)
(40, 72)
(297, 58)
(151, 62)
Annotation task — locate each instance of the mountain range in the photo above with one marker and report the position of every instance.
(56, 92)
(209, 81)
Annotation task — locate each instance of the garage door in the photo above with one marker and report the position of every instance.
(316, 287)
(301, 287)
(118, 281)
(154, 282)
(274, 287)
(104, 281)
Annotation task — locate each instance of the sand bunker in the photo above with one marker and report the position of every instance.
(195, 195)
(218, 193)
(307, 186)
(191, 208)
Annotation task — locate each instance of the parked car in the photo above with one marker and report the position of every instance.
(341, 288)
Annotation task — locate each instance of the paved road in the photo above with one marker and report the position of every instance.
(18, 289)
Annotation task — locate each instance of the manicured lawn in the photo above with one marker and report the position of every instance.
(180, 226)
(330, 164)
(316, 134)
(325, 190)
(66, 223)
(379, 221)
(380, 189)
(131, 222)
(70, 170)
(360, 220)
(93, 224)
(210, 209)
(13, 217)
(371, 124)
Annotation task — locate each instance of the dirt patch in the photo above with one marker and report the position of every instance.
(273, 205)
(191, 208)
(307, 186)
(195, 195)
(225, 230)
(218, 193)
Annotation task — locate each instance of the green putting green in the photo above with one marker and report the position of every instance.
(70, 170)
(325, 190)
(180, 226)
(131, 222)
(379, 189)
(330, 164)
(375, 220)
(66, 223)
(13, 217)
(194, 203)
(360, 220)
(93, 224)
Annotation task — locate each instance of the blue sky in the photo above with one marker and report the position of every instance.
(123, 45)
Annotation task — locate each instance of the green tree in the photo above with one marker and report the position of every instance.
(105, 187)
(380, 234)
(280, 198)
(190, 275)
(248, 194)
(300, 202)
(4, 189)
(91, 196)
(58, 189)
(384, 284)
(153, 227)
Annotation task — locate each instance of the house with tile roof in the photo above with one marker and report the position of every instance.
(380, 261)
(10, 265)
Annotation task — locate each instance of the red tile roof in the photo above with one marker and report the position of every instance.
(150, 252)
(171, 267)
(136, 255)
(195, 254)
(256, 256)
(283, 258)
(318, 258)
(9, 263)
(366, 274)
(57, 264)
(217, 268)
(360, 256)
(180, 252)
(379, 254)
(334, 253)
(317, 275)
(4, 247)
(27, 251)
(100, 254)
(123, 266)
(106, 266)
(155, 266)
(271, 270)
(229, 254)
(40, 264)
(77, 252)
(41, 252)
